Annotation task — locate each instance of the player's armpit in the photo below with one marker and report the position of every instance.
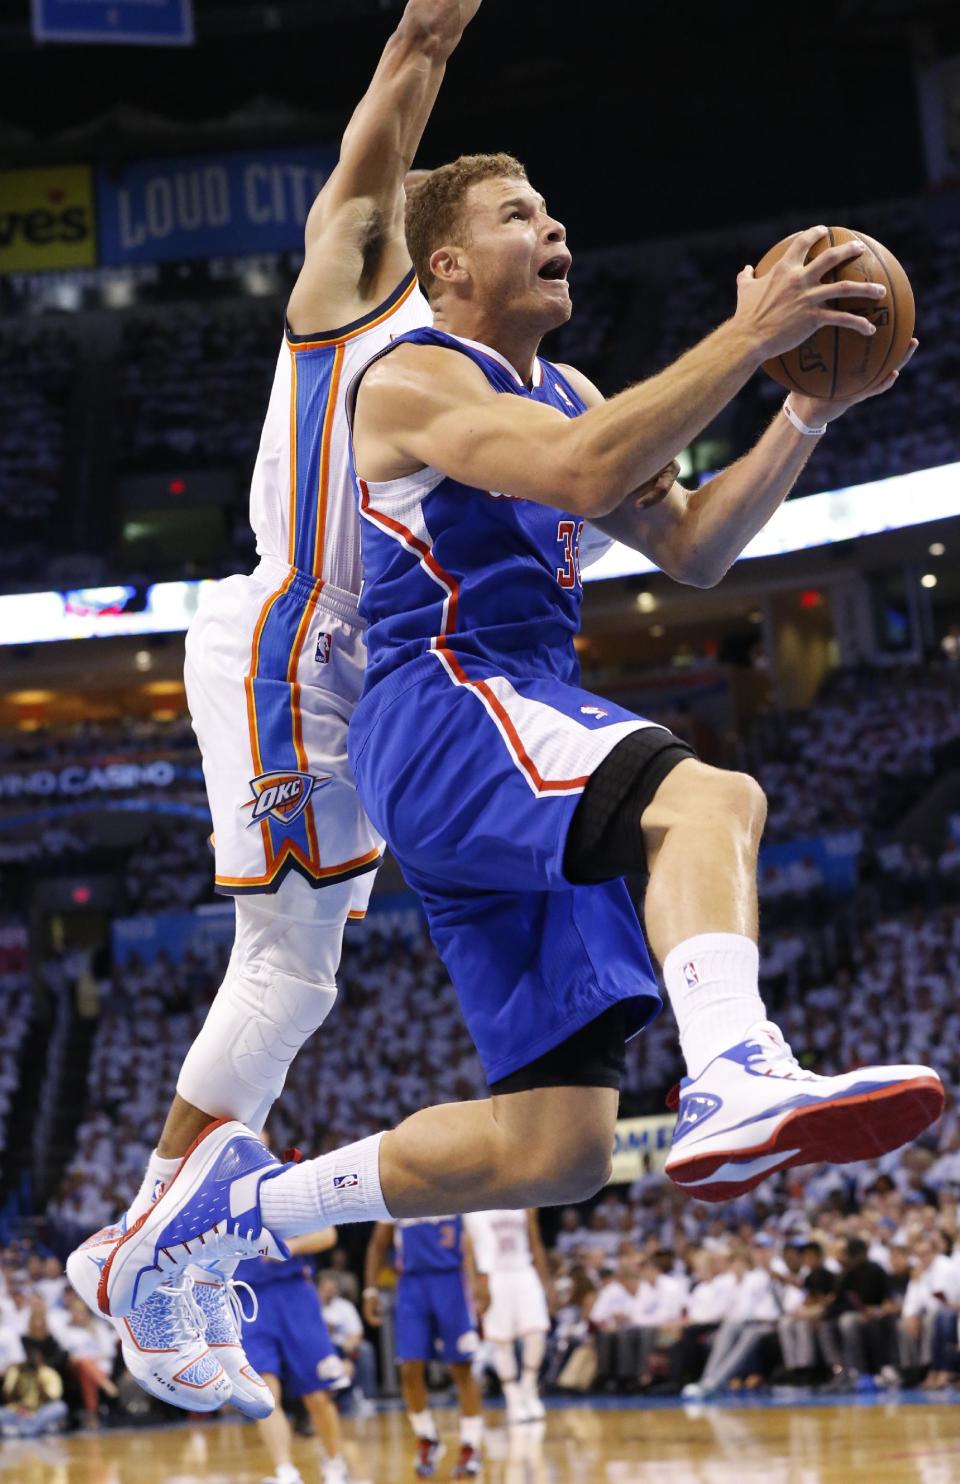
(425, 406)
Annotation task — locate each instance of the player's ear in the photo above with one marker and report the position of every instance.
(446, 266)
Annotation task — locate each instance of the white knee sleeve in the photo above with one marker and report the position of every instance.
(279, 987)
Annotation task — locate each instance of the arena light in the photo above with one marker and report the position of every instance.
(936, 548)
(646, 602)
(928, 579)
(820, 520)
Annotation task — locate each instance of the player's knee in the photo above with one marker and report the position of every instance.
(573, 1168)
(723, 794)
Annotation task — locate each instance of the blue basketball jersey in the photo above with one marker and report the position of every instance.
(475, 572)
(433, 1245)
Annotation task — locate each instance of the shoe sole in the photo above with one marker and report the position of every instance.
(155, 1217)
(838, 1132)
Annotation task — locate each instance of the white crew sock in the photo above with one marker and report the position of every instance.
(333, 1190)
(158, 1175)
(423, 1424)
(471, 1432)
(713, 984)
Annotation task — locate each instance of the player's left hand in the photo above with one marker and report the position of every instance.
(815, 411)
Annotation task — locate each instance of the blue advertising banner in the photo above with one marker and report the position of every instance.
(135, 22)
(202, 206)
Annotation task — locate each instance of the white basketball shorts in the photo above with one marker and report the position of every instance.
(274, 668)
(518, 1305)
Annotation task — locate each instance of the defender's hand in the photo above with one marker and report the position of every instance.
(373, 1308)
(791, 302)
(815, 411)
(657, 488)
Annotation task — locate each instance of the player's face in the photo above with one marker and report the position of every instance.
(517, 252)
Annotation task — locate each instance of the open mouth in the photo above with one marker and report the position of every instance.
(555, 270)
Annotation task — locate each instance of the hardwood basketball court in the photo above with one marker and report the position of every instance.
(877, 1442)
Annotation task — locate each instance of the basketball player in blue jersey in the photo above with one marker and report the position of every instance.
(516, 801)
(290, 1346)
(274, 668)
(434, 1321)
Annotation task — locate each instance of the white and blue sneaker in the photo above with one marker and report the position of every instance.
(163, 1344)
(208, 1214)
(218, 1300)
(754, 1110)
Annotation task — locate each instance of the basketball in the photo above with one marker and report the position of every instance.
(838, 363)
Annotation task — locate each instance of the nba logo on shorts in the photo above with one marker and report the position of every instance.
(282, 796)
(691, 975)
(324, 646)
(345, 1182)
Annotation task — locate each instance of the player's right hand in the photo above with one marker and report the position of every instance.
(373, 1308)
(790, 302)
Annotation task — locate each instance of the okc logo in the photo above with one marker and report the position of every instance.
(281, 795)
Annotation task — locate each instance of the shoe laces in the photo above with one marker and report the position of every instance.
(771, 1056)
(185, 1318)
(234, 1302)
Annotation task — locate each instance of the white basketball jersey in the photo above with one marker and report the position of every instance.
(303, 503)
(501, 1240)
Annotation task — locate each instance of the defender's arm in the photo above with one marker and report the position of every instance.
(376, 1256)
(355, 248)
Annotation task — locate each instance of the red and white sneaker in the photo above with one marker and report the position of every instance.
(754, 1110)
(163, 1343)
(469, 1464)
(428, 1455)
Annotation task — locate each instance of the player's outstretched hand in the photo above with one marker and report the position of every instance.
(816, 411)
(791, 302)
(373, 1308)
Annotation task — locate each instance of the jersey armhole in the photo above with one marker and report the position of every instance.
(356, 327)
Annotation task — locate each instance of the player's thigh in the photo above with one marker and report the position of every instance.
(263, 1341)
(312, 1361)
(413, 1320)
(453, 1319)
(273, 737)
(477, 781)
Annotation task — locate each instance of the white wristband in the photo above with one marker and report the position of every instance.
(799, 424)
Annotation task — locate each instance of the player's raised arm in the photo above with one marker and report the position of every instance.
(355, 249)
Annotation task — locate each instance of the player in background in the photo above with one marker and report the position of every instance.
(290, 1347)
(515, 1297)
(514, 800)
(434, 1319)
(273, 672)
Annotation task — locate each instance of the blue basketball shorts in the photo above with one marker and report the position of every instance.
(289, 1338)
(433, 1318)
(474, 777)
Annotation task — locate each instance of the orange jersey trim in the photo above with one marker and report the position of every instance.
(320, 536)
(319, 873)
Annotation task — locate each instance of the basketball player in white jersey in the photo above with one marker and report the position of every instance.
(508, 1254)
(273, 672)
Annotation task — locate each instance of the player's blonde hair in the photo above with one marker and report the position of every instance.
(434, 208)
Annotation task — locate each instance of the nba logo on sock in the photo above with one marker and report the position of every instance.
(324, 646)
(345, 1182)
(691, 975)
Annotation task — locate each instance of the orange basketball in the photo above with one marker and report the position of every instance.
(838, 363)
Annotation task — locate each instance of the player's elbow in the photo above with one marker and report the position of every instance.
(693, 568)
